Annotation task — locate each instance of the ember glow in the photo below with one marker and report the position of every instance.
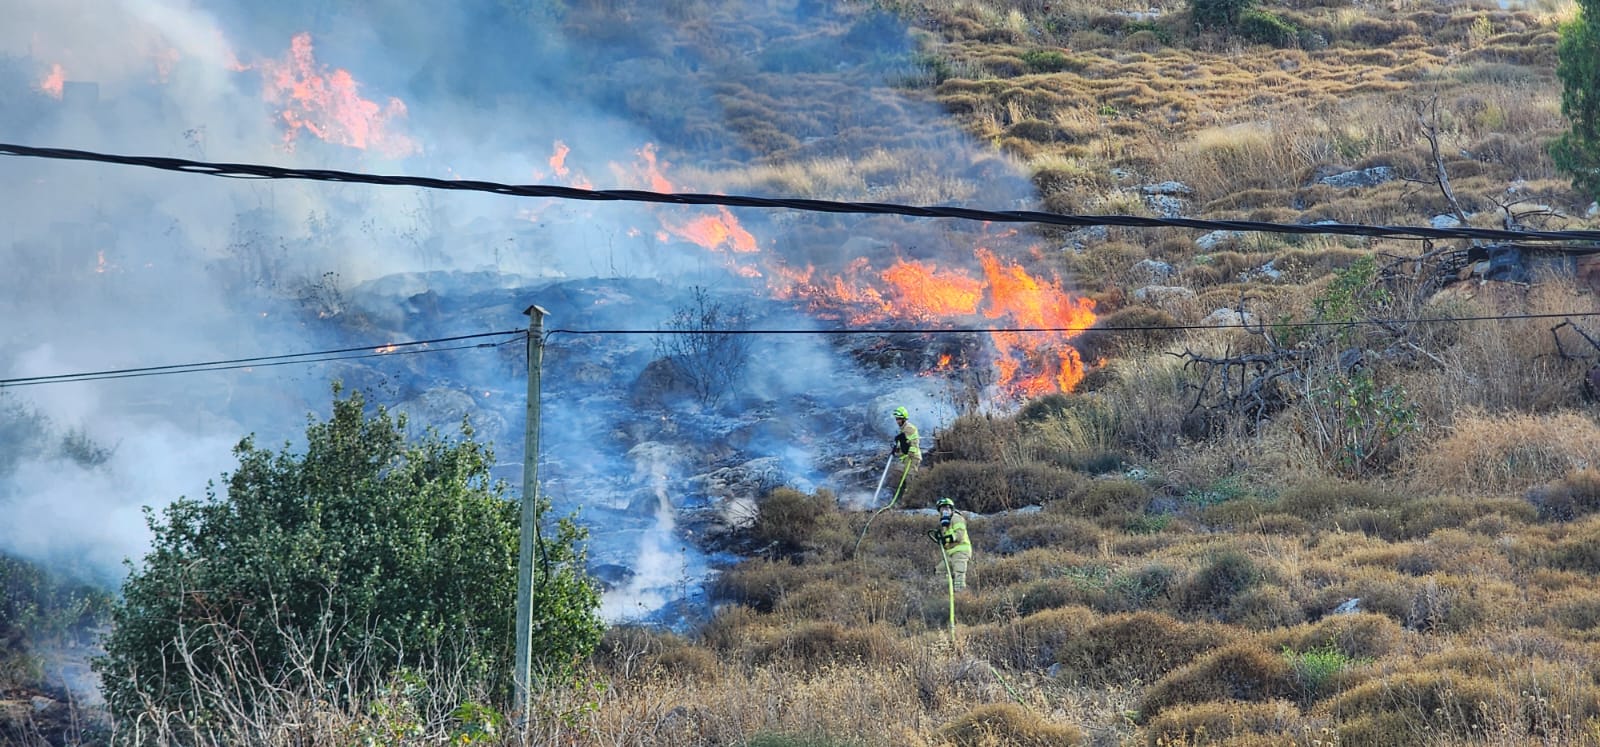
(328, 104)
(53, 81)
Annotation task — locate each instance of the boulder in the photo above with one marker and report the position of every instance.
(1153, 270)
(1362, 178)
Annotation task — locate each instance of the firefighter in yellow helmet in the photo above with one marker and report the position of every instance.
(907, 451)
(952, 535)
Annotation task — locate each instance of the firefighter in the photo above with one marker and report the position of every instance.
(952, 536)
(907, 451)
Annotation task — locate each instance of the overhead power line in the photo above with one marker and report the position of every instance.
(257, 171)
(267, 361)
(391, 349)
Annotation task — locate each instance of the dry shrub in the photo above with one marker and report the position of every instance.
(987, 487)
(1314, 500)
(731, 626)
(1578, 550)
(1081, 434)
(1113, 499)
(1007, 724)
(1213, 588)
(1383, 591)
(1206, 723)
(850, 600)
(1577, 610)
(1131, 328)
(1241, 671)
(1502, 366)
(974, 486)
(1139, 646)
(627, 652)
(792, 523)
(1410, 708)
(979, 438)
(759, 584)
(1013, 534)
(812, 645)
(1457, 551)
(1358, 635)
(1447, 603)
(1577, 494)
(1423, 516)
(1264, 608)
(1151, 396)
(1030, 642)
(1507, 454)
(1028, 566)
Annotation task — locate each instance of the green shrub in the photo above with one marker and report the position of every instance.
(1048, 61)
(362, 544)
(1218, 14)
(1266, 28)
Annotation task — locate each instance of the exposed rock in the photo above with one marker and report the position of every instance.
(1444, 221)
(1080, 239)
(1594, 210)
(1210, 241)
(1153, 270)
(1166, 206)
(1348, 606)
(1172, 188)
(1164, 297)
(1363, 178)
(1228, 318)
(1264, 272)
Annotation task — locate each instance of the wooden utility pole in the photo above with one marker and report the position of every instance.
(530, 542)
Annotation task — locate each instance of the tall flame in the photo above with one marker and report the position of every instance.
(328, 104)
(1032, 320)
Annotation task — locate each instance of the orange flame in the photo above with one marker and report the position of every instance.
(1029, 363)
(558, 160)
(328, 104)
(54, 81)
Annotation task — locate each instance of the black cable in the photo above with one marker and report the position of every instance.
(1153, 328)
(246, 171)
(283, 360)
(369, 351)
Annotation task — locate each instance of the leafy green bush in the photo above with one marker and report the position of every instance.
(360, 557)
(1218, 14)
(1264, 27)
(1048, 61)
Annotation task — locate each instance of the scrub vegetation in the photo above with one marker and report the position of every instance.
(1328, 528)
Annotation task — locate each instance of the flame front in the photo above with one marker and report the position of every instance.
(328, 104)
(1037, 361)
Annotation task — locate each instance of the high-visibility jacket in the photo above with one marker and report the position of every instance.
(908, 444)
(954, 537)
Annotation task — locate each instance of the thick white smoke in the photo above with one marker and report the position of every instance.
(108, 267)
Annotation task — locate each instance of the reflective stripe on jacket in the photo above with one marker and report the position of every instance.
(954, 537)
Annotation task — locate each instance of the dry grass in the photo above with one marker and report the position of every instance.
(1496, 455)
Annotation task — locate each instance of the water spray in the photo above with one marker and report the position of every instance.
(896, 497)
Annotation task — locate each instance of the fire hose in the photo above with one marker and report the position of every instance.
(895, 497)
